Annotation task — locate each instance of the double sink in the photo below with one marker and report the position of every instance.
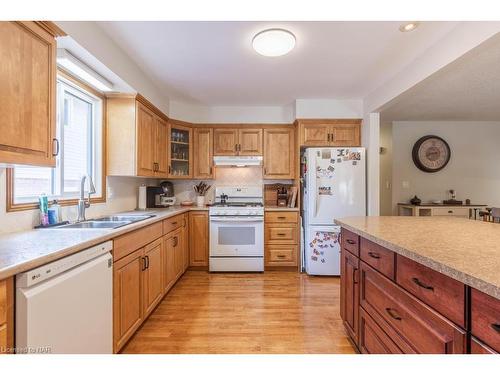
(107, 222)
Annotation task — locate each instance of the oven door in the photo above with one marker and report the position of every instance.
(236, 236)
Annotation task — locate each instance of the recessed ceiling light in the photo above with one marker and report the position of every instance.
(410, 26)
(273, 42)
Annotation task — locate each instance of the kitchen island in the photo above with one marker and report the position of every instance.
(421, 284)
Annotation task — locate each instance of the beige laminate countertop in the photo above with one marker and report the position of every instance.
(466, 250)
(22, 251)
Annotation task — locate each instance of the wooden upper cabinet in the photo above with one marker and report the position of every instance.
(180, 151)
(28, 94)
(146, 135)
(161, 148)
(225, 142)
(330, 132)
(203, 151)
(230, 142)
(137, 137)
(250, 142)
(279, 153)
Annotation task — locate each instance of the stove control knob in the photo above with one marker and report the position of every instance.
(236, 212)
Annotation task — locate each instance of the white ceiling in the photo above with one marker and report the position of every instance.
(213, 63)
(466, 89)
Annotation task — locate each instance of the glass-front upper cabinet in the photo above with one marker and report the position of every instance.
(180, 152)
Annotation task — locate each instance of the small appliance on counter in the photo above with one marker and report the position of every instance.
(282, 196)
(160, 196)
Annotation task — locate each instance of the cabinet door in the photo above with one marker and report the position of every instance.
(203, 151)
(279, 154)
(152, 282)
(225, 141)
(180, 153)
(198, 238)
(161, 153)
(28, 92)
(373, 339)
(349, 293)
(250, 142)
(316, 134)
(127, 297)
(146, 132)
(169, 270)
(178, 253)
(185, 247)
(343, 135)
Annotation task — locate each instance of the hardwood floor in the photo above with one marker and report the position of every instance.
(273, 312)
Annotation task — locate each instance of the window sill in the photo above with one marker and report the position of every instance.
(15, 207)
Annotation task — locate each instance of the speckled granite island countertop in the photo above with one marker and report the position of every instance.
(465, 250)
(22, 251)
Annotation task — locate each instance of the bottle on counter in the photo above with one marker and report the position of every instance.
(44, 209)
(54, 212)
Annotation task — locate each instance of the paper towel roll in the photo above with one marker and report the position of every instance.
(142, 197)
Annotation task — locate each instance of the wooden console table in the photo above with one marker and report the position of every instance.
(465, 210)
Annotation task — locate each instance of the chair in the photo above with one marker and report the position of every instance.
(495, 214)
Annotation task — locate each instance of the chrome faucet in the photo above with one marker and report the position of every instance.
(82, 202)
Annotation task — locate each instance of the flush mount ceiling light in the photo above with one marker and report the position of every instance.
(82, 71)
(406, 27)
(273, 42)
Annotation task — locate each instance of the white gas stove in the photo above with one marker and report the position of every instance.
(237, 230)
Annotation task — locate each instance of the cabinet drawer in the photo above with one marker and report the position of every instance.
(477, 347)
(372, 339)
(281, 234)
(281, 255)
(350, 242)
(443, 211)
(3, 301)
(129, 242)
(281, 217)
(378, 257)
(425, 330)
(439, 291)
(485, 323)
(173, 223)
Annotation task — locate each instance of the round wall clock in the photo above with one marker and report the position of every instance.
(431, 153)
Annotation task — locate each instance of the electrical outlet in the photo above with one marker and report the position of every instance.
(406, 184)
(110, 192)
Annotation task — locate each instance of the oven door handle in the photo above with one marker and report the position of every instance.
(237, 219)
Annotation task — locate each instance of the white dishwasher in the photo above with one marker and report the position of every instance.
(67, 306)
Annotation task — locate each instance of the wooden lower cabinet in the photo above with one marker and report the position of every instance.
(127, 297)
(349, 293)
(372, 338)
(477, 347)
(281, 239)
(198, 239)
(153, 282)
(6, 315)
(169, 267)
(485, 319)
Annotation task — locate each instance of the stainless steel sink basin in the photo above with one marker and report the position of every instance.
(95, 225)
(107, 222)
(131, 218)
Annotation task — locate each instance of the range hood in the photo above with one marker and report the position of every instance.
(237, 161)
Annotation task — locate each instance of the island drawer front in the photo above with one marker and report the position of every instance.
(477, 347)
(172, 223)
(129, 242)
(373, 339)
(280, 217)
(423, 328)
(439, 291)
(378, 257)
(350, 242)
(445, 211)
(485, 314)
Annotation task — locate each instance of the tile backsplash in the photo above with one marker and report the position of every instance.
(224, 176)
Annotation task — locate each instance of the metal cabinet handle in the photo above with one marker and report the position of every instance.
(496, 327)
(176, 241)
(281, 256)
(393, 314)
(169, 169)
(374, 255)
(281, 217)
(143, 264)
(281, 234)
(328, 137)
(147, 261)
(174, 222)
(350, 242)
(421, 284)
(450, 212)
(55, 142)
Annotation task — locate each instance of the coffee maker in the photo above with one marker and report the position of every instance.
(160, 196)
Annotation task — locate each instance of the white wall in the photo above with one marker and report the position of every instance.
(473, 170)
(124, 198)
(328, 108)
(386, 169)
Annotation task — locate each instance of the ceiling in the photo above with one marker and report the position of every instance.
(466, 89)
(213, 63)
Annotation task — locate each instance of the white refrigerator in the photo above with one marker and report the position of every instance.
(333, 187)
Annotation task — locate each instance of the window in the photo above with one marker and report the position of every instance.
(80, 134)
